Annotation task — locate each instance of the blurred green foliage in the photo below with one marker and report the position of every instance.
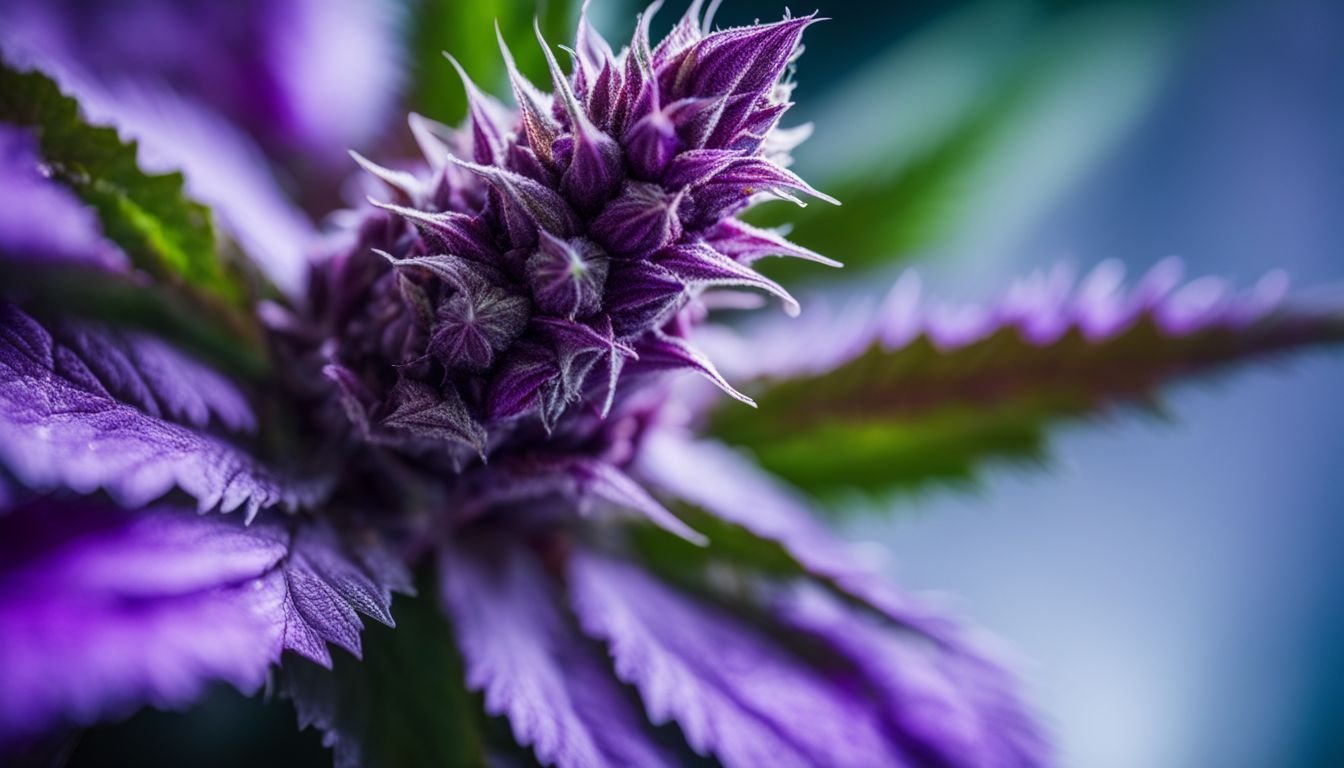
(904, 419)
(466, 30)
(911, 142)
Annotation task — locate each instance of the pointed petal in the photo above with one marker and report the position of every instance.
(425, 414)
(540, 204)
(594, 172)
(402, 182)
(697, 264)
(490, 124)
(642, 219)
(663, 352)
(458, 234)
(746, 244)
(641, 295)
(538, 125)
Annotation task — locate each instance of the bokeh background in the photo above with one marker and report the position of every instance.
(1172, 588)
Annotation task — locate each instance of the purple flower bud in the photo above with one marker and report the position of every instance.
(567, 276)
(472, 327)
(640, 221)
(578, 230)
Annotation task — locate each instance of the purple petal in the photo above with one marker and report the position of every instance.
(746, 244)
(542, 206)
(424, 414)
(567, 277)
(539, 127)
(448, 232)
(534, 668)
(641, 295)
(661, 352)
(697, 264)
(734, 694)
(642, 219)
(490, 120)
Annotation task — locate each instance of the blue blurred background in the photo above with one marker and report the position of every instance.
(1176, 589)
(1173, 589)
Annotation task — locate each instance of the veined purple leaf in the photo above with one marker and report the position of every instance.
(734, 693)
(65, 427)
(148, 373)
(534, 667)
(103, 610)
(947, 705)
(943, 696)
(921, 391)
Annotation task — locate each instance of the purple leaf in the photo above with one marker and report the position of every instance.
(63, 428)
(103, 610)
(922, 392)
(146, 372)
(533, 667)
(944, 703)
(735, 694)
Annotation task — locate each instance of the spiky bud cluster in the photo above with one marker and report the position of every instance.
(550, 251)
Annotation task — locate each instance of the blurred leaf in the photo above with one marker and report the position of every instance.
(148, 215)
(988, 102)
(728, 543)
(900, 419)
(198, 297)
(466, 29)
(124, 301)
(404, 705)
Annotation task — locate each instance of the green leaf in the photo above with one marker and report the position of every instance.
(404, 705)
(148, 215)
(467, 31)
(970, 130)
(195, 297)
(901, 419)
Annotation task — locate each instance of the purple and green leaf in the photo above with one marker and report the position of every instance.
(928, 394)
(146, 216)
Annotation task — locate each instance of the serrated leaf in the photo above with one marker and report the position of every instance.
(197, 297)
(916, 406)
(148, 215)
(404, 705)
